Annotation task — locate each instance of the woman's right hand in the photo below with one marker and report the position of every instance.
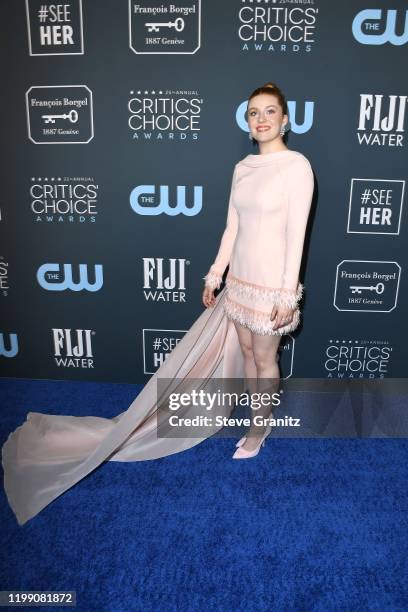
(208, 297)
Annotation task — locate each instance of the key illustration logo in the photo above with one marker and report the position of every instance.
(55, 29)
(52, 278)
(367, 286)
(59, 114)
(377, 27)
(168, 28)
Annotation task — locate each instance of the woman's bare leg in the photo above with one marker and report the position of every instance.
(245, 342)
(261, 372)
(266, 358)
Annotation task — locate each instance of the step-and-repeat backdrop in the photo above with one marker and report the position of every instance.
(121, 122)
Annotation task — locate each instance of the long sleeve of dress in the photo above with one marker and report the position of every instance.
(299, 204)
(214, 276)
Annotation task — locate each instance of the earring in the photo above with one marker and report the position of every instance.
(250, 136)
(282, 130)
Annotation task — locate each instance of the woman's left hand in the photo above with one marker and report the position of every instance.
(281, 316)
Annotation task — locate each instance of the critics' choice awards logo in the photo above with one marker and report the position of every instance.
(166, 28)
(73, 348)
(157, 345)
(59, 114)
(8, 345)
(357, 358)
(382, 120)
(164, 280)
(375, 206)
(379, 26)
(61, 277)
(367, 286)
(300, 116)
(63, 199)
(277, 27)
(4, 276)
(55, 29)
(164, 114)
(152, 200)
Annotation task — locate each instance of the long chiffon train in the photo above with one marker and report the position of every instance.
(48, 454)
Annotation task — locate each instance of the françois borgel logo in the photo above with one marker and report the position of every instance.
(168, 27)
(382, 120)
(62, 199)
(152, 200)
(164, 114)
(164, 280)
(274, 28)
(157, 345)
(73, 348)
(367, 286)
(287, 355)
(363, 358)
(57, 277)
(375, 206)
(59, 114)
(375, 26)
(55, 29)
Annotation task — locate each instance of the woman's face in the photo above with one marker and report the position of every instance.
(265, 117)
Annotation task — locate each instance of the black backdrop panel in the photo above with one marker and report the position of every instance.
(120, 126)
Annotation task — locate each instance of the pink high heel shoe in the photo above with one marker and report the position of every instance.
(241, 441)
(241, 453)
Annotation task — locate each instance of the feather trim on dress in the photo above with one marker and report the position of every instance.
(257, 321)
(278, 296)
(213, 280)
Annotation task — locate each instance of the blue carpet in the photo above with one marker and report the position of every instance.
(307, 525)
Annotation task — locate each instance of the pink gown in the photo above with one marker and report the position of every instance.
(269, 206)
(263, 241)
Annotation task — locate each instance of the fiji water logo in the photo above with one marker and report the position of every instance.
(8, 348)
(57, 277)
(73, 347)
(368, 27)
(164, 280)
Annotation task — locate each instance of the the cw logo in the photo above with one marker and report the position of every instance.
(297, 128)
(374, 37)
(13, 343)
(51, 278)
(143, 202)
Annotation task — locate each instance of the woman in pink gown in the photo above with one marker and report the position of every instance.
(236, 336)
